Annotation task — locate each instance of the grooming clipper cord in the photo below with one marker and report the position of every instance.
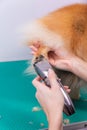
(41, 66)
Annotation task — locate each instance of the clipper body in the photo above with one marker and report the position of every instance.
(41, 66)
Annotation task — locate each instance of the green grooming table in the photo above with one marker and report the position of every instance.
(17, 98)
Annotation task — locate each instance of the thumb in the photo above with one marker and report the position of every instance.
(53, 79)
(52, 61)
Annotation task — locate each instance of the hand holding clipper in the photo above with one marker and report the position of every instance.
(41, 66)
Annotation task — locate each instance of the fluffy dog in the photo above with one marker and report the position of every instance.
(64, 30)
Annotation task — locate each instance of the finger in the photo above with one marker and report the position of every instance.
(33, 53)
(33, 48)
(36, 44)
(68, 90)
(36, 82)
(36, 95)
(66, 87)
(38, 78)
(52, 61)
(52, 78)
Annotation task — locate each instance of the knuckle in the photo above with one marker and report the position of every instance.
(33, 82)
(36, 95)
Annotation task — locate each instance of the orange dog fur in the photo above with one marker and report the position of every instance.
(64, 28)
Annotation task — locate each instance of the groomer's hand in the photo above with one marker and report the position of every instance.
(66, 61)
(51, 100)
(34, 47)
(62, 59)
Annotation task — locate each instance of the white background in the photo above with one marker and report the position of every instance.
(14, 13)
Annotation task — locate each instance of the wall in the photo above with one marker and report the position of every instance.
(13, 14)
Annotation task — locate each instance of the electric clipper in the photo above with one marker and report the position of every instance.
(41, 66)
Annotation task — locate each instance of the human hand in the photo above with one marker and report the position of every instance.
(58, 58)
(61, 58)
(51, 99)
(65, 60)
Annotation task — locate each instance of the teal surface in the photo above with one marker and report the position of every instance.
(17, 98)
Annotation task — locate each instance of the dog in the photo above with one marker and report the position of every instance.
(65, 28)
